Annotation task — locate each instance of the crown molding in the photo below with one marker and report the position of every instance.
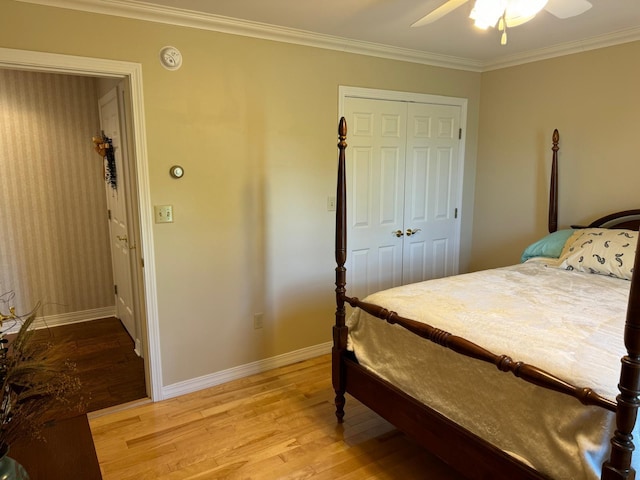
(593, 43)
(187, 18)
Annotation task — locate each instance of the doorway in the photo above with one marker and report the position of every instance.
(54, 63)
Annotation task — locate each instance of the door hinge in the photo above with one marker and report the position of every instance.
(109, 214)
(115, 289)
(455, 213)
(459, 134)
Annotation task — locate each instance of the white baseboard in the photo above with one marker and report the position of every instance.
(211, 380)
(50, 321)
(195, 384)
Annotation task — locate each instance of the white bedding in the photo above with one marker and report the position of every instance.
(535, 313)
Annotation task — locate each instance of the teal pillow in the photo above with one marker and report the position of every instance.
(549, 246)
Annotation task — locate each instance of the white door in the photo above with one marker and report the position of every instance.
(376, 152)
(121, 240)
(403, 176)
(431, 192)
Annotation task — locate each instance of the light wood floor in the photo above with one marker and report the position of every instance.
(275, 425)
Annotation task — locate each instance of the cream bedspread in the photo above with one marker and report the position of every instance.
(535, 313)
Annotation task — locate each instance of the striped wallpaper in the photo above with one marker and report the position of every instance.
(54, 237)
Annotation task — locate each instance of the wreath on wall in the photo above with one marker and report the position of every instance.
(104, 147)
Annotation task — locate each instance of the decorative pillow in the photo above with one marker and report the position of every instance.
(601, 251)
(550, 246)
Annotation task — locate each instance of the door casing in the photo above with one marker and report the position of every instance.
(132, 72)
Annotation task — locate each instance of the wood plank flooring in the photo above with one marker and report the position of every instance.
(275, 425)
(111, 374)
(110, 371)
(66, 452)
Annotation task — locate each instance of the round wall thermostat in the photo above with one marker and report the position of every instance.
(170, 58)
(176, 171)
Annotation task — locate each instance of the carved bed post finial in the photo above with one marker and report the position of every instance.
(553, 191)
(340, 329)
(618, 467)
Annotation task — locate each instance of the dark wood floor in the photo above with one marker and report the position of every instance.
(111, 374)
(110, 371)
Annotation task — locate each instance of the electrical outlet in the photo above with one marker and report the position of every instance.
(258, 320)
(163, 213)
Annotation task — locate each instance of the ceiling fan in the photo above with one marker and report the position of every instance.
(507, 13)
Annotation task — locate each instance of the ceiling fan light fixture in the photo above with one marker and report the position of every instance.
(519, 12)
(486, 13)
(514, 21)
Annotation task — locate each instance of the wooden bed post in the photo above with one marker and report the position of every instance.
(553, 191)
(618, 467)
(340, 329)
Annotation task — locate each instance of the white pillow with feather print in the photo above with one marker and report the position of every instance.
(601, 251)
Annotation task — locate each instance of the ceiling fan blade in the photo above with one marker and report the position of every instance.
(439, 12)
(567, 8)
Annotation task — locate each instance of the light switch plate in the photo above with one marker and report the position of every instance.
(163, 213)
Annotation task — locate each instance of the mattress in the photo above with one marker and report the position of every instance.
(568, 323)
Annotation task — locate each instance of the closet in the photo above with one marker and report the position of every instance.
(404, 175)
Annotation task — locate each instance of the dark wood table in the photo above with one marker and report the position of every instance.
(67, 453)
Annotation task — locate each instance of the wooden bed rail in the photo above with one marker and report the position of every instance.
(504, 363)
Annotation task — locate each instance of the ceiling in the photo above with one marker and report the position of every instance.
(384, 26)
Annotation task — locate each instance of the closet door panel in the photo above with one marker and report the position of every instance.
(403, 175)
(431, 191)
(375, 206)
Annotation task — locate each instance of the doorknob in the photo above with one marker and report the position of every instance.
(412, 232)
(398, 233)
(122, 239)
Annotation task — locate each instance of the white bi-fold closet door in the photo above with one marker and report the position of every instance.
(403, 181)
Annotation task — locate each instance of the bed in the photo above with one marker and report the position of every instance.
(553, 401)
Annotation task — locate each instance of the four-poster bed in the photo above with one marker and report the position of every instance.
(485, 424)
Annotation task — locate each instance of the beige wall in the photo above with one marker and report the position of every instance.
(54, 237)
(593, 99)
(254, 124)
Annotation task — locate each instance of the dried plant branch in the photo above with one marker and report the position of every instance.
(35, 378)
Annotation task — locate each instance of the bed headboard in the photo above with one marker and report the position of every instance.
(628, 219)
